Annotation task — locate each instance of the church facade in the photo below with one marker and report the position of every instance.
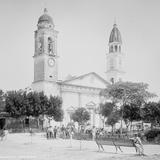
(81, 91)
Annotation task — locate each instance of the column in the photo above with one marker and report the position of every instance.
(79, 100)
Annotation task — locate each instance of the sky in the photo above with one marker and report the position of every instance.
(84, 28)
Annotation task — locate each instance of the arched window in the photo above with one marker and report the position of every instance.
(111, 49)
(116, 48)
(50, 45)
(119, 48)
(112, 80)
(39, 45)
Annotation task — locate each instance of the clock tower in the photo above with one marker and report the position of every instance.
(45, 56)
(115, 57)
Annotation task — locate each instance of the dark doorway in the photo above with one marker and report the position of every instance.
(2, 123)
(27, 122)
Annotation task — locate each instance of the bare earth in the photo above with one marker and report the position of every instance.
(37, 147)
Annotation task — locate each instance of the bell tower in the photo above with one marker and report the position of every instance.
(45, 56)
(115, 58)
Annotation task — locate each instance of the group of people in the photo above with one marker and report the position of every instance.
(59, 132)
(67, 132)
(136, 140)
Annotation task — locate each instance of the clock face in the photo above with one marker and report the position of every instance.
(51, 62)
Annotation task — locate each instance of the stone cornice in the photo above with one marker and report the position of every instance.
(115, 54)
(80, 89)
(42, 81)
(45, 54)
(115, 70)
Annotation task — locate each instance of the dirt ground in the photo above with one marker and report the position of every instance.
(37, 147)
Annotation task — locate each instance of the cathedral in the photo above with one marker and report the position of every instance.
(81, 91)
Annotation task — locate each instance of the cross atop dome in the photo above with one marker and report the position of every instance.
(115, 23)
(45, 11)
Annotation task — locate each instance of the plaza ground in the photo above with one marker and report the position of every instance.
(22, 146)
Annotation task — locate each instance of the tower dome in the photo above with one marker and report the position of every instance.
(115, 35)
(45, 19)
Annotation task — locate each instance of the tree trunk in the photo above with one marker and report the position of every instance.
(43, 122)
(131, 127)
(103, 123)
(37, 122)
(142, 126)
(151, 126)
(112, 129)
(121, 129)
(127, 127)
(23, 125)
(42, 125)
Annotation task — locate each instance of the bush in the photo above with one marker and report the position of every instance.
(152, 134)
(157, 139)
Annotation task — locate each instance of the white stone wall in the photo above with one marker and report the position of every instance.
(79, 99)
(49, 88)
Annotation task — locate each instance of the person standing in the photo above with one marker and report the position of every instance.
(71, 133)
(93, 133)
(55, 132)
(63, 131)
(49, 132)
(138, 144)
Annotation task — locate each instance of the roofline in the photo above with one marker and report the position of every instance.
(79, 77)
(80, 86)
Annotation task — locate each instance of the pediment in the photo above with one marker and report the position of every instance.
(90, 104)
(89, 80)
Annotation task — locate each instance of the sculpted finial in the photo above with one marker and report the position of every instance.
(115, 24)
(45, 11)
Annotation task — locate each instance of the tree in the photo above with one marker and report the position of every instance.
(106, 109)
(125, 93)
(14, 103)
(54, 108)
(131, 113)
(113, 119)
(34, 107)
(44, 101)
(81, 115)
(128, 92)
(151, 113)
(2, 104)
(20, 103)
